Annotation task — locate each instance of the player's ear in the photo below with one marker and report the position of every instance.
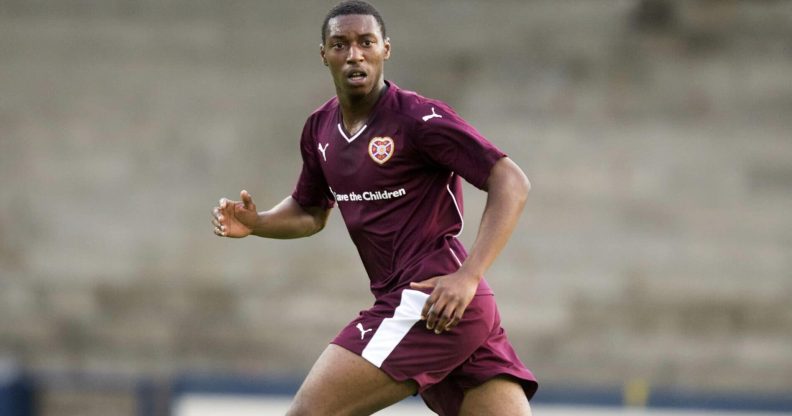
(387, 45)
(322, 54)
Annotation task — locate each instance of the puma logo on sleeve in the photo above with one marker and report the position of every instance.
(431, 116)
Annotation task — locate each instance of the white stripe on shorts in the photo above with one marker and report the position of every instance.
(392, 330)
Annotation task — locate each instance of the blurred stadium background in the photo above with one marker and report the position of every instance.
(653, 265)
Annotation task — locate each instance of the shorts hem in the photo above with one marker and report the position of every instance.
(528, 384)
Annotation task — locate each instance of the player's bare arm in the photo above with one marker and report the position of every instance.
(507, 190)
(237, 219)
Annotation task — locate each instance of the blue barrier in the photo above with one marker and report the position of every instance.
(607, 396)
(155, 396)
(16, 395)
(235, 384)
(724, 401)
(668, 398)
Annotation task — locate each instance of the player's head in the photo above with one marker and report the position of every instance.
(353, 7)
(355, 48)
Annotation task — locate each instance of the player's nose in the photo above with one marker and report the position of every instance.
(355, 54)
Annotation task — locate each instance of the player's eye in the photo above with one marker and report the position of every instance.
(367, 42)
(337, 45)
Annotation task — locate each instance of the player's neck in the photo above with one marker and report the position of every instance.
(355, 110)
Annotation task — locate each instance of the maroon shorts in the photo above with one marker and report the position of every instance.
(391, 336)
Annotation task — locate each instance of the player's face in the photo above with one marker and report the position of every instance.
(355, 52)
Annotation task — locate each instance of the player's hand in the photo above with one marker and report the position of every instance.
(451, 295)
(235, 219)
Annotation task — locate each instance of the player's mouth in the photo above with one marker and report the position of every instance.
(356, 77)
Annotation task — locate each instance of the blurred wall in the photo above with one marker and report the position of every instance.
(656, 243)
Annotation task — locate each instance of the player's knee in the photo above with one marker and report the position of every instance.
(301, 407)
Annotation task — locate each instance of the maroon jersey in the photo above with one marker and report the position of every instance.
(397, 183)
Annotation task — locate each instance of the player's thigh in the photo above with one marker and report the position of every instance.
(497, 396)
(343, 383)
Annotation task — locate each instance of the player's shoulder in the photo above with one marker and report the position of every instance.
(328, 108)
(417, 107)
(319, 119)
(323, 112)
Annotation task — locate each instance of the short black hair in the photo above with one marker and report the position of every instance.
(352, 7)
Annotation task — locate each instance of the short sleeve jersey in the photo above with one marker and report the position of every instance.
(397, 183)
